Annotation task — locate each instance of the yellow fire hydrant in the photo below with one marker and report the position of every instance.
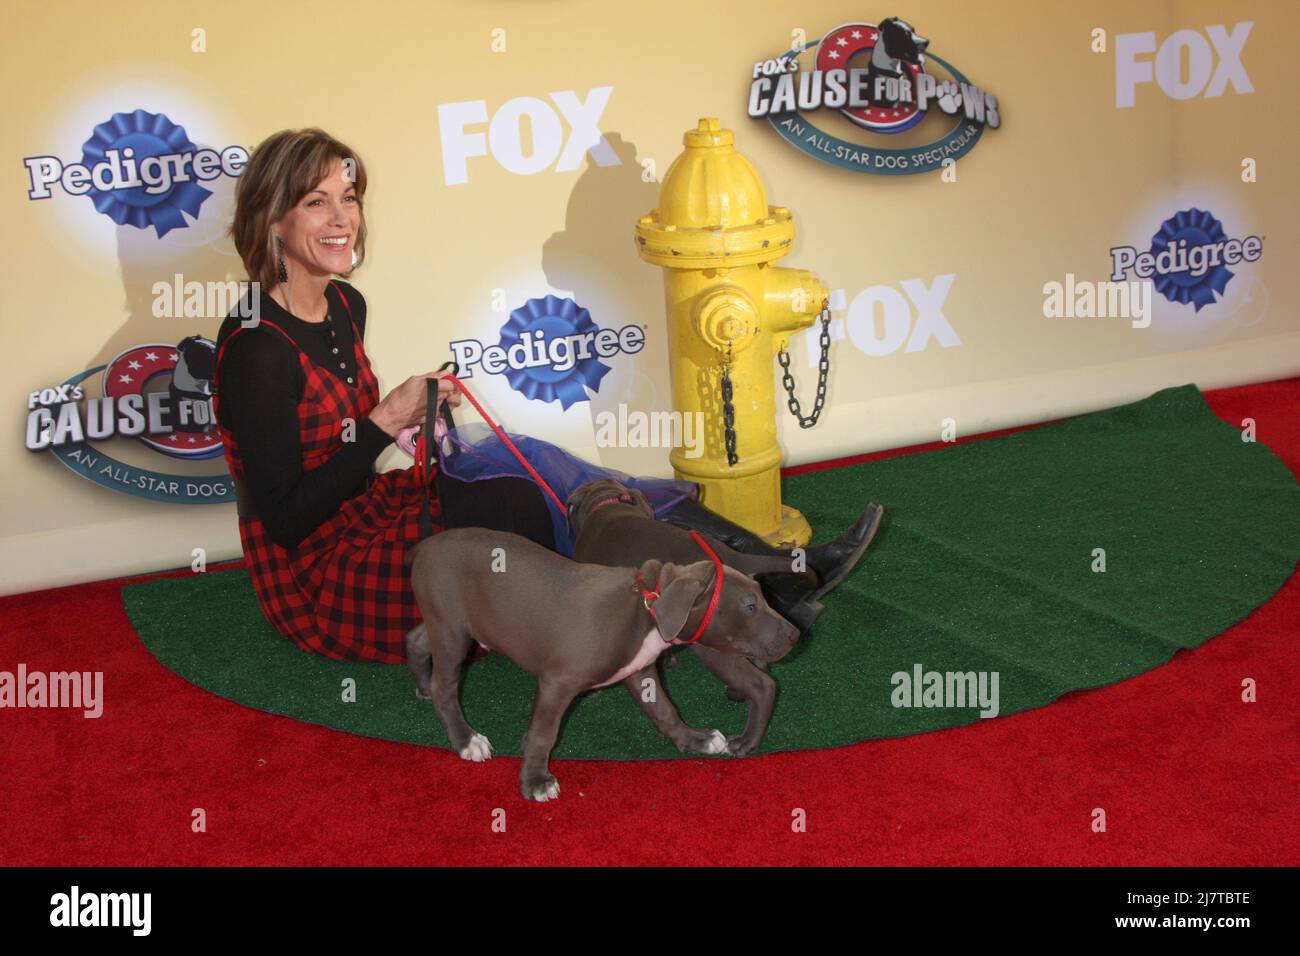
(730, 310)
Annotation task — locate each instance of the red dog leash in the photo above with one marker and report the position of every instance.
(421, 444)
(422, 472)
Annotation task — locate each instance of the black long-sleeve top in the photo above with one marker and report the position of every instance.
(261, 386)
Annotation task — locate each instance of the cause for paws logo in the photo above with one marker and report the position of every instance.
(876, 76)
(1188, 258)
(549, 349)
(157, 394)
(139, 169)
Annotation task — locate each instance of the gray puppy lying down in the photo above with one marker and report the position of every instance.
(574, 627)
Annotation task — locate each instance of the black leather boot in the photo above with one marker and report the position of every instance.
(835, 559)
(831, 562)
(790, 596)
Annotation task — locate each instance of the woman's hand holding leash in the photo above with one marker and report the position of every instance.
(405, 405)
(407, 437)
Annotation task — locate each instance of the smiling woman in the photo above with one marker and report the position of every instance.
(301, 425)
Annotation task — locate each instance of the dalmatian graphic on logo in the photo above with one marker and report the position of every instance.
(186, 371)
(897, 51)
(192, 377)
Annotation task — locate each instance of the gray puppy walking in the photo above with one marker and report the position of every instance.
(615, 525)
(574, 627)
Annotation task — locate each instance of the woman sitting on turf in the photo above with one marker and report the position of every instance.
(302, 423)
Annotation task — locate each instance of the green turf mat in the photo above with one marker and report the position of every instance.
(983, 564)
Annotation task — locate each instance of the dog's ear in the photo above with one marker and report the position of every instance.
(685, 585)
(576, 496)
(652, 571)
(573, 504)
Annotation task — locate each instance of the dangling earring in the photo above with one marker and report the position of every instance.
(284, 273)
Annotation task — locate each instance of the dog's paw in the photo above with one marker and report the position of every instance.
(702, 742)
(478, 749)
(423, 693)
(542, 789)
(738, 746)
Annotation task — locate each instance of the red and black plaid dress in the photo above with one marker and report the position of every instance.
(343, 591)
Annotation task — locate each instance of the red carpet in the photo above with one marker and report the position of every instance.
(1186, 773)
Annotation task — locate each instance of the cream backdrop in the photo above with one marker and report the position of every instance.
(1066, 177)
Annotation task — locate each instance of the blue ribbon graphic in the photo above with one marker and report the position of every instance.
(147, 134)
(1197, 228)
(554, 318)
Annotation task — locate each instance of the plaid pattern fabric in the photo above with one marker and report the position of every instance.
(343, 591)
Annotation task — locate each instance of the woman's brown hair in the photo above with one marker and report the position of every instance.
(284, 167)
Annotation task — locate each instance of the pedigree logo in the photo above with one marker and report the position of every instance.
(549, 349)
(877, 77)
(140, 169)
(1187, 258)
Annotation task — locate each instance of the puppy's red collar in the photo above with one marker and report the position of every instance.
(648, 596)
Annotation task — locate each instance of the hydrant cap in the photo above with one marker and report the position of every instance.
(709, 133)
(713, 209)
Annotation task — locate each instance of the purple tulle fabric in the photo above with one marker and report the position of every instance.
(472, 452)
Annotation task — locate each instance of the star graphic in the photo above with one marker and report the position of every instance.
(191, 439)
(174, 357)
(833, 55)
(856, 34)
(171, 437)
(126, 379)
(133, 365)
(151, 356)
(842, 42)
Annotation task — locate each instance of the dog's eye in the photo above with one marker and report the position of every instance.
(751, 608)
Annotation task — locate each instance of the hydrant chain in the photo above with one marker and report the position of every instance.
(728, 413)
(823, 370)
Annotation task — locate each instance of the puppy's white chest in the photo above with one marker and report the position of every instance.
(651, 647)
